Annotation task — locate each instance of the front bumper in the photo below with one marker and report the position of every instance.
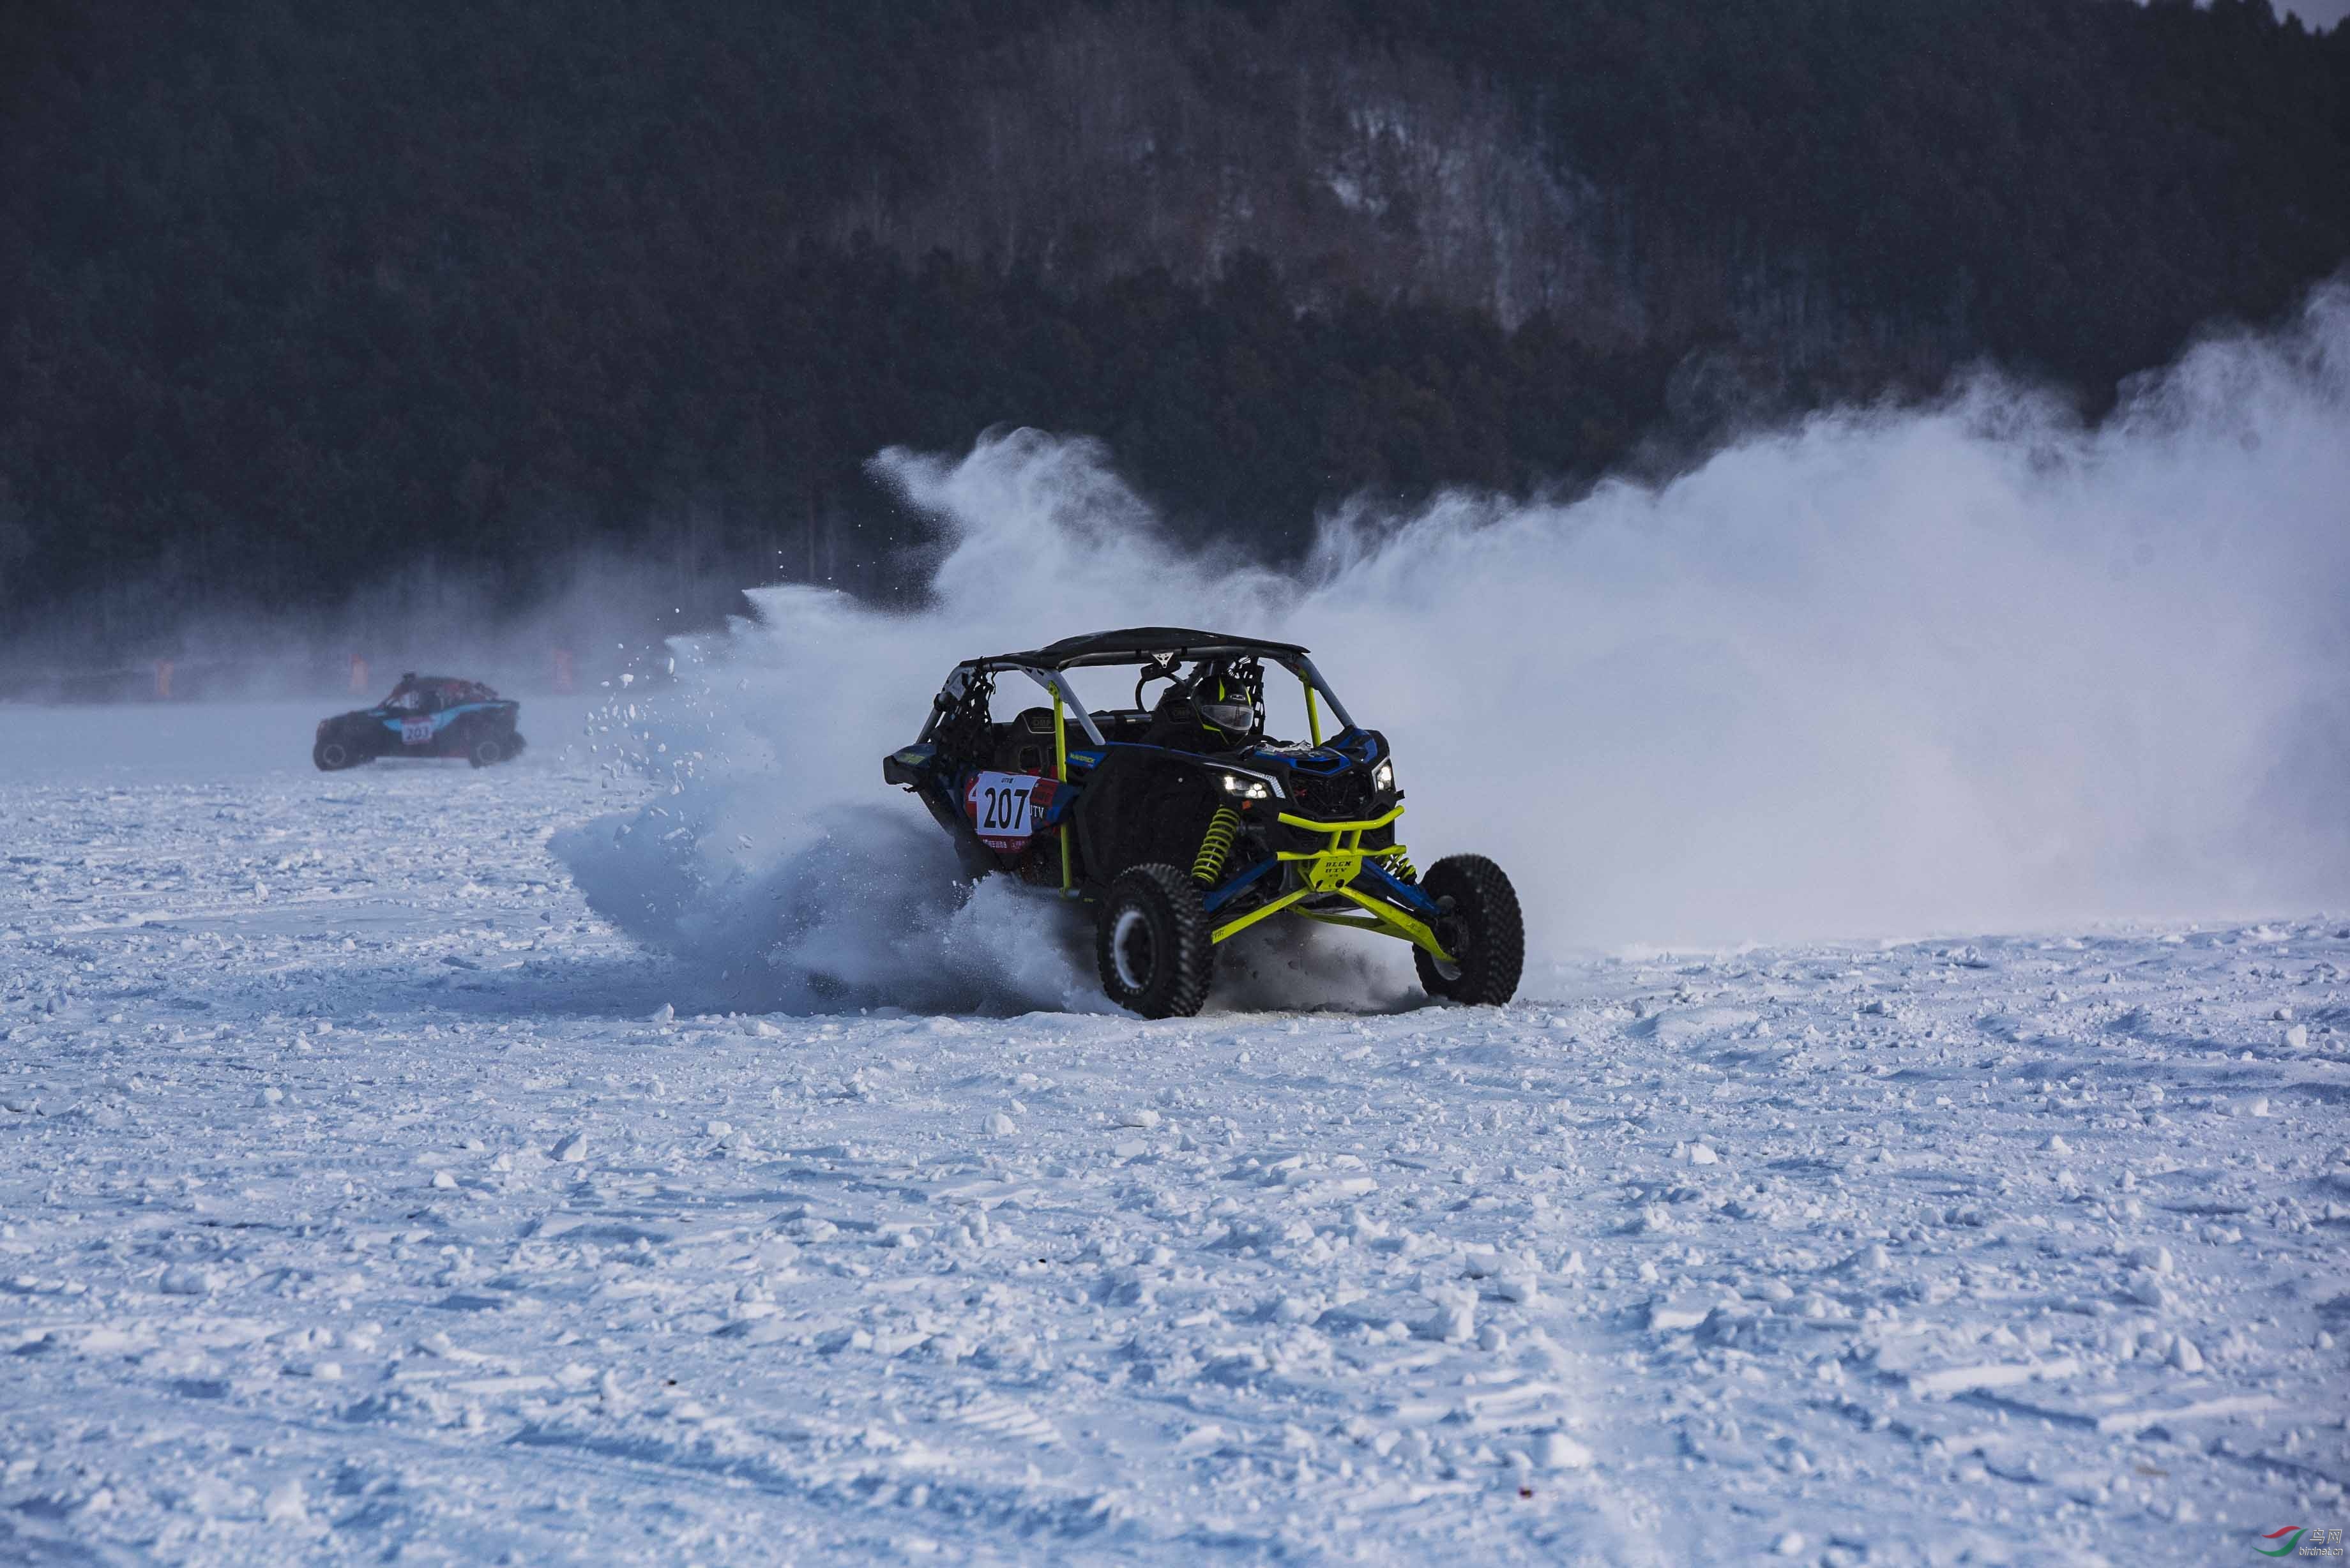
(1341, 866)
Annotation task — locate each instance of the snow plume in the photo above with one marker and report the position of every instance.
(1965, 668)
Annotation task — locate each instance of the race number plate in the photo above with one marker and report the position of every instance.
(1000, 809)
(415, 731)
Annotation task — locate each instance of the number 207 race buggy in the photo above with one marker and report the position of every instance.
(1182, 822)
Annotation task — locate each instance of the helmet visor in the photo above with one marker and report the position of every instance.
(1233, 718)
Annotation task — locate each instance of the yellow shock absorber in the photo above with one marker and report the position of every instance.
(1216, 846)
(1399, 866)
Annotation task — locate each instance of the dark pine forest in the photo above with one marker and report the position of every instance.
(296, 294)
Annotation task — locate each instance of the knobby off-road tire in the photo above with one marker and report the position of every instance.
(1152, 943)
(332, 756)
(1482, 927)
(489, 751)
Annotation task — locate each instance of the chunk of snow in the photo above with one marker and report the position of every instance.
(1966, 1379)
(1557, 1451)
(1651, 1219)
(1145, 1119)
(187, 1280)
(2128, 1421)
(1455, 1322)
(1730, 1325)
(1670, 1317)
(2184, 1356)
(1682, 1025)
(998, 1125)
(571, 1148)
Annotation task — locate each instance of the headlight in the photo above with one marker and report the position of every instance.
(1383, 777)
(1247, 788)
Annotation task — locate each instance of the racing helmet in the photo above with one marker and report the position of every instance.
(1228, 697)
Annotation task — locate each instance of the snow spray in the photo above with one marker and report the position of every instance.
(1966, 668)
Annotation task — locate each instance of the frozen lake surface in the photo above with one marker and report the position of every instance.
(364, 1197)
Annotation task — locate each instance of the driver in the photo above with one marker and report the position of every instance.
(1220, 709)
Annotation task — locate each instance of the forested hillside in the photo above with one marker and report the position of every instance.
(298, 294)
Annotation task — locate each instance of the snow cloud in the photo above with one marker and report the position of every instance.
(1972, 667)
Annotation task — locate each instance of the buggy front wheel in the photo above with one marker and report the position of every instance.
(1152, 943)
(488, 752)
(1481, 926)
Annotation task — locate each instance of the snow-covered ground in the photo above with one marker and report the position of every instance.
(364, 1197)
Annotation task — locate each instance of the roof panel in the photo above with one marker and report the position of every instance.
(1135, 642)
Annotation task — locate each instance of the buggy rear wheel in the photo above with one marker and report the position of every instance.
(1482, 927)
(488, 752)
(332, 756)
(1151, 944)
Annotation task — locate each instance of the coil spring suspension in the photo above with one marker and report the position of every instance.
(1399, 866)
(1216, 846)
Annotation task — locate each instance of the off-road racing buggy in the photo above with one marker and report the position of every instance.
(1182, 823)
(425, 716)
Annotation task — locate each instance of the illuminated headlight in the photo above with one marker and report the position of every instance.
(1383, 777)
(1247, 788)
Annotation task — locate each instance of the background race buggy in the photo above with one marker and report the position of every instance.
(425, 716)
